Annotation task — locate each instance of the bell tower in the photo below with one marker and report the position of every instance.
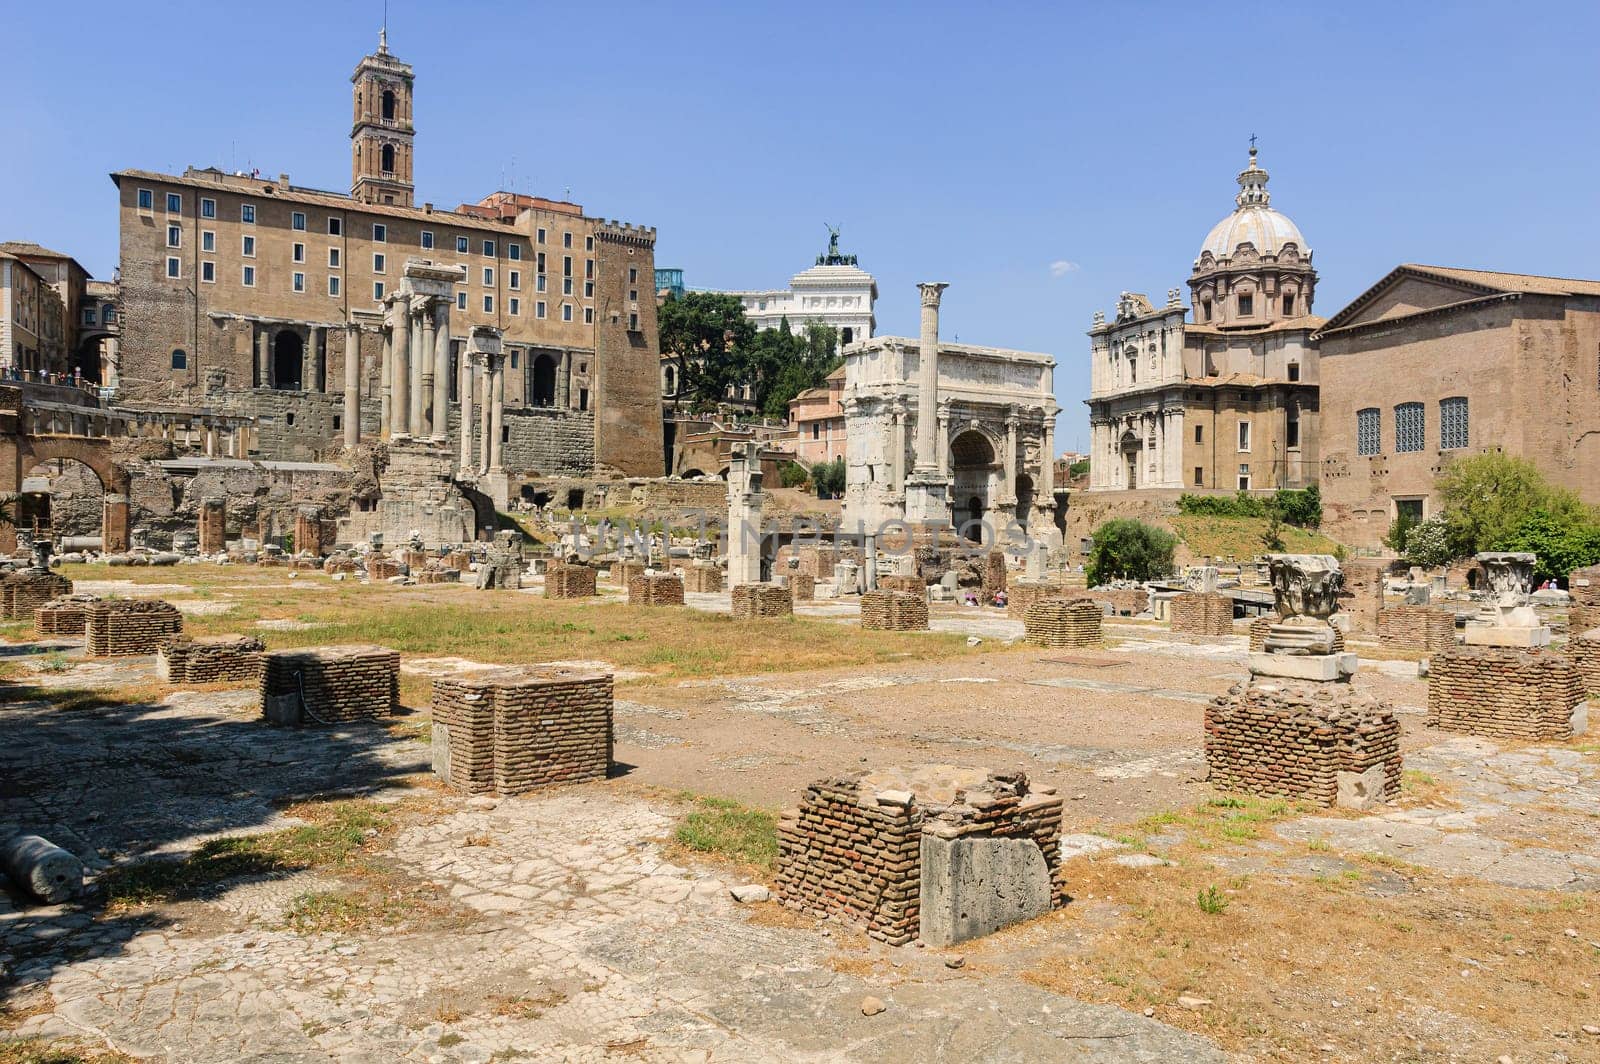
(381, 138)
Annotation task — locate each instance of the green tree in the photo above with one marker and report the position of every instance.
(1130, 550)
(708, 337)
(792, 474)
(828, 478)
(1487, 496)
(1561, 542)
(1078, 469)
(1428, 544)
(781, 364)
(1272, 535)
(1399, 529)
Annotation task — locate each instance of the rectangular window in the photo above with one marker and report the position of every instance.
(566, 312)
(147, 200)
(566, 240)
(463, 247)
(247, 247)
(1244, 476)
(427, 240)
(333, 258)
(1288, 306)
(1411, 509)
(335, 227)
(488, 276)
(516, 305)
(174, 266)
(174, 236)
(1409, 434)
(588, 243)
(1294, 371)
(247, 213)
(247, 277)
(538, 283)
(1453, 423)
(1199, 434)
(488, 249)
(588, 315)
(208, 208)
(633, 275)
(588, 268)
(514, 252)
(378, 262)
(538, 309)
(208, 272)
(297, 220)
(208, 240)
(1247, 305)
(299, 282)
(1205, 310)
(513, 358)
(461, 301)
(588, 289)
(299, 253)
(1244, 435)
(566, 265)
(539, 237)
(333, 285)
(633, 295)
(380, 232)
(566, 286)
(633, 323)
(377, 290)
(514, 279)
(539, 263)
(488, 304)
(1199, 476)
(583, 398)
(174, 203)
(1368, 439)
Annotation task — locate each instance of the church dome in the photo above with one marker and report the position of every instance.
(1253, 221)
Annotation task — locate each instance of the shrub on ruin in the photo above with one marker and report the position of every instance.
(1428, 544)
(1486, 497)
(1561, 542)
(1301, 507)
(792, 474)
(1130, 550)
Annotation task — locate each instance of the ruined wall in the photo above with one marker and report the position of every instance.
(333, 685)
(894, 611)
(655, 589)
(1420, 629)
(1059, 622)
(755, 601)
(1504, 693)
(1198, 613)
(512, 731)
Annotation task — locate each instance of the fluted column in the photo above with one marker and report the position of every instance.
(1008, 492)
(428, 377)
(386, 373)
(497, 407)
(400, 402)
(928, 376)
(943, 441)
(441, 369)
(352, 386)
(468, 363)
(487, 416)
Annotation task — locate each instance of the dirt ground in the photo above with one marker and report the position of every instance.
(1458, 925)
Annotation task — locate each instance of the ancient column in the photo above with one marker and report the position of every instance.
(564, 381)
(497, 401)
(400, 368)
(468, 360)
(352, 386)
(441, 370)
(487, 416)
(1008, 491)
(114, 524)
(928, 377)
(419, 361)
(386, 372)
(428, 376)
(897, 443)
(745, 498)
(263, 370)
(944, 438)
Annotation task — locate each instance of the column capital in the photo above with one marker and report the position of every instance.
(932, 291)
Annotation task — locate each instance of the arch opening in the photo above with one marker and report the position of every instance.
(544, 381)
(288, 352)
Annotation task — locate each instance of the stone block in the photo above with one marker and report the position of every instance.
(1320, 668)
(1492, 635)
(974, 886)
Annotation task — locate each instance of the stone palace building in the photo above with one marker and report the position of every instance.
(250, 294)
(1227, 400)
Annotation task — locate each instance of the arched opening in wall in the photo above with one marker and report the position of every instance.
(574, 498)
(1131, 448)
(669, 381)
(690, 474)
(974, 466)
(1024, 490)
(387, 157)
(61, 497)
(86, 359)
(847, 336)
(388, 105)
(544, 381)
(288, 352)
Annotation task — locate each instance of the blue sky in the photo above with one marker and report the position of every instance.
(1040, 158)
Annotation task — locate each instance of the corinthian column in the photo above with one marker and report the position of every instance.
(415, 311)
(468, 362)
(497, 410)
(928, 377)
(485, 419)
(400, 370)
(441, 370)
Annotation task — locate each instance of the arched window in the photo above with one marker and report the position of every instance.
(1368, 433)
(1409, 434)
(180, 358)
(388, 105)
(388, 158)
(671, 381)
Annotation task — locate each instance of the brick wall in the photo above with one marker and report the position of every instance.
(1060, 622)
(1504, 693)
(123, 627)
(332, 685)
(568, 581)
(24, 591)
(754, 601)
(1420, 629)
(1202, 613)
(656, 589)
(894, 611)
(514, 730)
(215, 659)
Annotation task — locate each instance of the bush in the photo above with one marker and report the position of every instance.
(1486, 498)
(1427, 544)
(792, 474)
(1561, 542)
(1241, 505)
(1078, 469)
(1301, 507)
(828, 477)
(1129, 550)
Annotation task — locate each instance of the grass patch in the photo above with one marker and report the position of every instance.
(1240, 537)
(32, 1051)
(336, 834)
(729, 831)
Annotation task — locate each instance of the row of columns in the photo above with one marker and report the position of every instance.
(1160, 462)
(415, 378)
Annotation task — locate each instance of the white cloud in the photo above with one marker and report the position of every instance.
(1062, 267)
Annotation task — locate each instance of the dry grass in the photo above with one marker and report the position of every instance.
(1446, 969)
(526, 1006)
(512, 628)
(32, 1051)
(1240, 537)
